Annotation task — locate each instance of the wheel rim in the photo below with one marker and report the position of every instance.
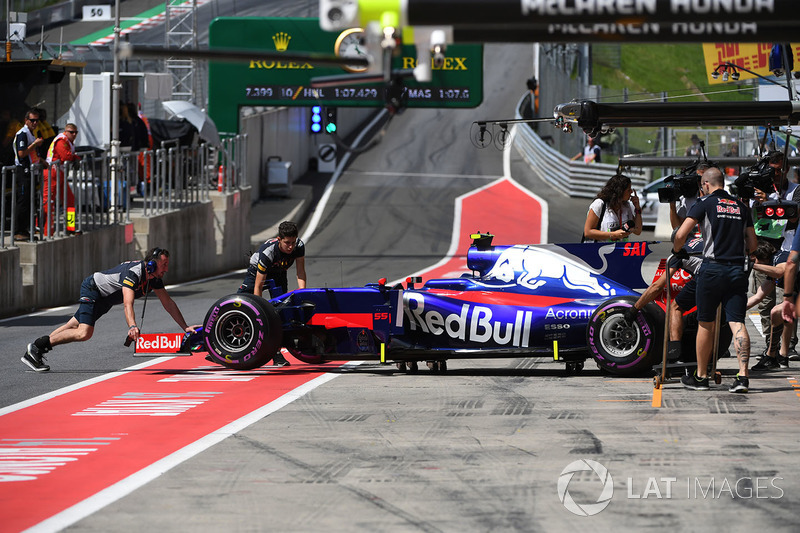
(235, 330)
(618, 337)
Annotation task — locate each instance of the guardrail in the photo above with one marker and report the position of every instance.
(84, 195)
(573, 178)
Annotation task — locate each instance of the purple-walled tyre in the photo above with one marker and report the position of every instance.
(622, 348)
(242, 331)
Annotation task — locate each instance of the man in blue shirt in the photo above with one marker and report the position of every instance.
(728, 240)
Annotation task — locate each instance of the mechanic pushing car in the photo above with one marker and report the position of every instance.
(99, 293)
(728, 240)
(269, 264)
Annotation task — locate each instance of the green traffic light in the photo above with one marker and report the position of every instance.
(330, 127)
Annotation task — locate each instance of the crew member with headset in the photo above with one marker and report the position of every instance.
(99, 293)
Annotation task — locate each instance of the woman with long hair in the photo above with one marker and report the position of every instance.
(615, 212)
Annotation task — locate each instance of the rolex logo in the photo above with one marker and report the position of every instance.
(281, 40)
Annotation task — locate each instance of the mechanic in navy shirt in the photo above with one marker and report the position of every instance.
(271, 262)
(99, 293)
(728, 241)
(273, 259)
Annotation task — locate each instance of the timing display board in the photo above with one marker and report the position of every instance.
(269, 82)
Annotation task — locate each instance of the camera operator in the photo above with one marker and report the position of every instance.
(728, 239)
(678, 208)
(779, 233)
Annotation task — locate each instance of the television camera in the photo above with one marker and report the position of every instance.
(686, 183)
(760, 176)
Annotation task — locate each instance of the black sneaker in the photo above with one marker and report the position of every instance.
(793, 355)
(34, 358)
(739, 384)
(766, 363)
(783, 362)
(280, 360)
(695, 383)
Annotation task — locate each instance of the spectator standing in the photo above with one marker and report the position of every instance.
(693, 150)
(61, 151)
(26, 143)
(591, 152)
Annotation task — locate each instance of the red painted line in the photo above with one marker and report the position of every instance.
(66, 449)
(503, 209)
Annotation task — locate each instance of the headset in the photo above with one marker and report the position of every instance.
(152, 263)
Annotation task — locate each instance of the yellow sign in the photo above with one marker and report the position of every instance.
(752, 56)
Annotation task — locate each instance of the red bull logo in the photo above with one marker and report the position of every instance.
(159, 342)
(473, 323)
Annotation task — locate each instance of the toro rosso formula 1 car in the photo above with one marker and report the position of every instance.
(556, 301)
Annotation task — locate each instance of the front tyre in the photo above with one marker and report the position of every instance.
(242, 331)
(621, 348)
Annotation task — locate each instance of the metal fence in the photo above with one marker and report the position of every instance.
(573, 178)
(84, 195)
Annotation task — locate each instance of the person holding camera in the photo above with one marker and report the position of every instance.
(615, 212)
(779, 233)
(728, 240)
(99, 293)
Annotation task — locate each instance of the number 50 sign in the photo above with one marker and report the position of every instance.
(97, 12)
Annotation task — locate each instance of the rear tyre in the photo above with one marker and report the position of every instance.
(243, 331)
(621, 348)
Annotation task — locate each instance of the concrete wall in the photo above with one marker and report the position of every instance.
(203, 239)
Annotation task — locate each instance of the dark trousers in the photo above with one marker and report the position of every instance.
(22, 201)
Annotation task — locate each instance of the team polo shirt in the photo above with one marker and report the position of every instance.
(132, 274)
(272, 262)
(723, 221)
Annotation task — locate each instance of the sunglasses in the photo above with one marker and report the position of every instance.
(34, 119)
(70, 131)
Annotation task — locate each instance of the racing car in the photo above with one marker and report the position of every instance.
(560, 302)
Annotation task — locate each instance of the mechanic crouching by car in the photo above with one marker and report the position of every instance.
(728, 240)
(268, 267)
(99, 293)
